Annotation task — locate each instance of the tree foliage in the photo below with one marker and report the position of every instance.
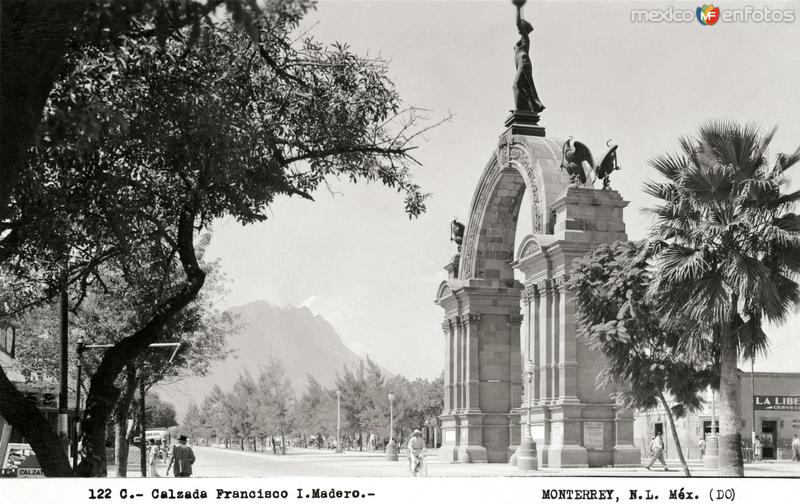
(142, 148)
(646, 356)
(726, 245)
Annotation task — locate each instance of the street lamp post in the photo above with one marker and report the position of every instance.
(391, 448)
(79, 348)
(338, 421)
(526, 456)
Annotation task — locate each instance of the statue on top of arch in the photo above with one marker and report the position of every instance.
(526, 99)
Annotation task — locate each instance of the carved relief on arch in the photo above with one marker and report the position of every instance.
(516, 158)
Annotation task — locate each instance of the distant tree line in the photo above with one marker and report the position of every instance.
(262, 412)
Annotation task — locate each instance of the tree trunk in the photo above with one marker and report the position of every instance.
(29, 421)
(283, 442)
(674, 433)
(103, 395)
(729, 461)
(121, 413)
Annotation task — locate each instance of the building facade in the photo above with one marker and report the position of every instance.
(768, 401)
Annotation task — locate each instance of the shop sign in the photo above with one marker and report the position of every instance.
(777, 403)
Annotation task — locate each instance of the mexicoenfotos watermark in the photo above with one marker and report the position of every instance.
(709, 15)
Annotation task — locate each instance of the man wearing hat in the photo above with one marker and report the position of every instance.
(183, 457)
(416, 445)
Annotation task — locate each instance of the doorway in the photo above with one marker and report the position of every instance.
(769, 429)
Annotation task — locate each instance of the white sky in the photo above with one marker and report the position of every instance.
(356, 259)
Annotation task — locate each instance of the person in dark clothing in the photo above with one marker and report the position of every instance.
(183, 457)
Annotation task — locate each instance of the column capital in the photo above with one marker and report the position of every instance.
(529, 293)
(558, 283)
(446, 327)
(544, 287)
(470, 318)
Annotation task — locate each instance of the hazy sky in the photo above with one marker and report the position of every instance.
(356, 258)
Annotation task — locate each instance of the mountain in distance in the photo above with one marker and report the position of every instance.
(304, 343)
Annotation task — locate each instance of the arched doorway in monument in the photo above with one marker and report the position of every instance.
(496, 327)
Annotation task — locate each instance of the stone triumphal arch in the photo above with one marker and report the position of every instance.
(495, 326)
(511, 347)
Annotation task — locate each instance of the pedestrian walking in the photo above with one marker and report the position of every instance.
(152, 458)
(657, 452)
(757, 449)
(183, 457)
(796, 448)
(702, 444)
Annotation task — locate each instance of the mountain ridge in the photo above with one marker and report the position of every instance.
(306, 344)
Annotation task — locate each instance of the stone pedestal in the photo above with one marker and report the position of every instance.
(391, 451)
(712, 451)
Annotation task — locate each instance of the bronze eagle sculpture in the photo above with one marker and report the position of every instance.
(577, 161)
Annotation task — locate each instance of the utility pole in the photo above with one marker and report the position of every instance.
(63, 392)
(143, 430)
(79, 348)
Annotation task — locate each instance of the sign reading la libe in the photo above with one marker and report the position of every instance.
(777, 402)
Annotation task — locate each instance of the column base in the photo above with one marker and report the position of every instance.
(472, 454)
(626, 456)
(448, 453)
(567, 456)
(513, 452)
(526, 457)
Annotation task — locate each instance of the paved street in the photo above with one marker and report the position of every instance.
(215, 462)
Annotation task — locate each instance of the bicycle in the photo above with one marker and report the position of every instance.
(419, 468)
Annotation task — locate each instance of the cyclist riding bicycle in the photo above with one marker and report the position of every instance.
(416, 447)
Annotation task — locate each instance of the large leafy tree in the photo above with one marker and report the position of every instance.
(37, 35)
(175, 136)
(727, 250)
(648, 361)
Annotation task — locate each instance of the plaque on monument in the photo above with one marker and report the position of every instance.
(593, 435)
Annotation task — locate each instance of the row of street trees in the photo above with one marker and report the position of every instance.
(130, 127)
(674, 314)
(265, 407)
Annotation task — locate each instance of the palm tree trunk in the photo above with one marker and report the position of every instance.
(730, 461)
(674, 433)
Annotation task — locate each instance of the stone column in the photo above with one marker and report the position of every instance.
(448, 368)
(535, 344)
(545, 341)
(450, 422)
(469, 323)
(557, 334)
(458, 357)
(567, 355)
(517, 353)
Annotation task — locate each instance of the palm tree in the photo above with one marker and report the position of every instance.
(727, 251)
